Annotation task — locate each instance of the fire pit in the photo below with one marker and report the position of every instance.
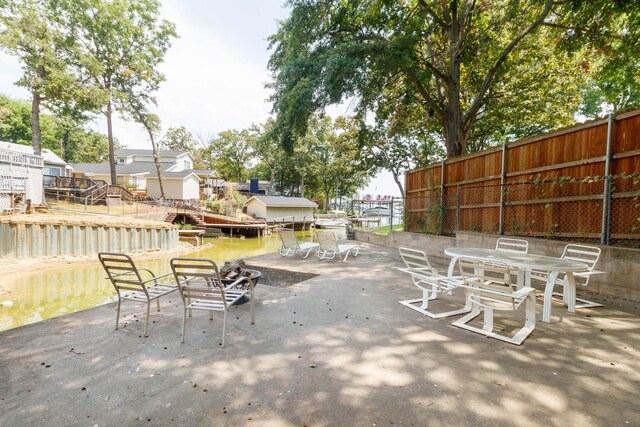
(253, 275)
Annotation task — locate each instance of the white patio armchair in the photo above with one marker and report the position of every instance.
(585, 254)
(481, 281)
(329, 247)
(201, 288)
(130, 285)
(516, 246)
(291, 246)
(426, 278)
(507, 244)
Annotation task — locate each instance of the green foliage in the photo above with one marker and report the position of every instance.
(120, 44)
(232, 151)
(178, 139)
(472, 74)
(68, 139)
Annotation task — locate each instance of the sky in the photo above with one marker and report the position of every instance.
(215, 71)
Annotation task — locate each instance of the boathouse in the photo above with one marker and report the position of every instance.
(279, 208)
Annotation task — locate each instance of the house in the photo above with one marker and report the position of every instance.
(136, 170)
(21, 175)
(275, 208)
(183, 185)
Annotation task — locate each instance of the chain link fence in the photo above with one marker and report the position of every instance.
(594, 209)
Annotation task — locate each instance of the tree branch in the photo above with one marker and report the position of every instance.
(488, 80)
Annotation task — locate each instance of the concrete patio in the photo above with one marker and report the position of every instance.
(336, 349)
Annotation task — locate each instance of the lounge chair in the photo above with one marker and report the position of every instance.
(481, 281)
(129, 284)
(329, 246)
(291, 246)
(425, 277)
(201, 288)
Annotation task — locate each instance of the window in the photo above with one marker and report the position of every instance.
(51, 170)
(187, 164)
(121, 161)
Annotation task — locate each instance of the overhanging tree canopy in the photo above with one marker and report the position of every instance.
(460, 62)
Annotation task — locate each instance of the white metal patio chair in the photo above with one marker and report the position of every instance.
(329, 247)
(291, 246)
(425, 277)
(486, 295)
(129, 284)
(516, 246)
(507, 244)
(585, 254)
(201, 288)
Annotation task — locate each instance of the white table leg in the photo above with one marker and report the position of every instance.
(548, 297)
(452, 264)
(570, 291)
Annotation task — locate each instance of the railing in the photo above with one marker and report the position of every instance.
(68, 182)
(12, 184)
(23, 159)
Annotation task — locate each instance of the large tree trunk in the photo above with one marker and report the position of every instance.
(396, 178)
(112, 156)
(156, 158)
(35, 123)
(453, 114)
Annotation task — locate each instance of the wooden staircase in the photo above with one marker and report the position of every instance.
(190, 217)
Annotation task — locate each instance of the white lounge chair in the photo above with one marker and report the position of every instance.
(129, 284)
(329, 247)
(481, 282)
(425, 277)
(585, 254)
(201, 288)
(291, 246)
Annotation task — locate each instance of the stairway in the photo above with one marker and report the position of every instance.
(170, 217)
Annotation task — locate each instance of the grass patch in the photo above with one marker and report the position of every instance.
(385, 230)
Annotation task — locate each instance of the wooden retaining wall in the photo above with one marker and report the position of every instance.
(549, 185)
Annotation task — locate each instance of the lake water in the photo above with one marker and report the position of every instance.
(43, 295)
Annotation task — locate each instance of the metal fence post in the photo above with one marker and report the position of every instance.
(503, 175)
(458, 208)
(606, 196)
(442, 198)
(391, 216)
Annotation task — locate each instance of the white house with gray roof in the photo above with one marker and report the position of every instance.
(22, 172)
(274, 208)
(136, 167)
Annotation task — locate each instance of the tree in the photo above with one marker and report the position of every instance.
(137, 109)
(233, 149)
(43, 49)
(121, 44)
(64, 136)
(178, 139)
(459, 62)
(615, 32)
(397, 152)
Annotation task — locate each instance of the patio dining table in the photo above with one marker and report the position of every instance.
(525, 263)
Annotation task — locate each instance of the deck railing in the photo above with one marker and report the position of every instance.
(22, 159)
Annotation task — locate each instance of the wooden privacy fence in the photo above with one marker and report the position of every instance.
(578, 183)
